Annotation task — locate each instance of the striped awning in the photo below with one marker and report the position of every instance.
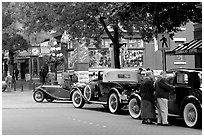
(191, 48)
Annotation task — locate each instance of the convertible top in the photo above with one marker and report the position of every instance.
(120, 75)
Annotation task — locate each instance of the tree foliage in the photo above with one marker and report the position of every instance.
(91, 19)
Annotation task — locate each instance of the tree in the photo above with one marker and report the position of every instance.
(13, 45)
(90, 20)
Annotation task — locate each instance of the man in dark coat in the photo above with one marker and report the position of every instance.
(16, 73)
(162, 90)
(43, 75)
(147, 107)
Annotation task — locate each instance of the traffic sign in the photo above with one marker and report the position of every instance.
(163, 40)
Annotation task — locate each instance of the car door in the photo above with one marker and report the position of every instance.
(172, 104)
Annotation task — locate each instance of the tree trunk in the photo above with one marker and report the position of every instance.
(116, 47)
(115, 41)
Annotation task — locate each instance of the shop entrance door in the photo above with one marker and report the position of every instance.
(23, 70)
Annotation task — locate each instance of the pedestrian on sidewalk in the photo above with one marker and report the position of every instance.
(8, 81)
(162, 90)
(147, 107)
(16, 73)
(43, 75)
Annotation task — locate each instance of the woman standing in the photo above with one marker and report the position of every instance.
(147, 91)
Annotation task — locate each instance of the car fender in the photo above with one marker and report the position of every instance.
(45, 91)
(80, 89)
(190, 98)
(118, 91)
(135, 95)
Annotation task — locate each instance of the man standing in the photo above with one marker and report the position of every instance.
(162, 90)
(43, 75)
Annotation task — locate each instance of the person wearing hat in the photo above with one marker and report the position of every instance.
(140, 76)
(147, 106)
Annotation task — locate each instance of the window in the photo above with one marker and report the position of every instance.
(182, 78)
(71, 59)
(132, 58)
(135, 43)
(99, 58)
(106, 43)
(123, 75)
(35, 67)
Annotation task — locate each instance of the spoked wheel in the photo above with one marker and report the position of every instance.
(38, 96)
(77, 99)
(192, 115)
(134, 108)
(113, 103)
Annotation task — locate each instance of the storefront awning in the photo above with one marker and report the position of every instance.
(191, 48)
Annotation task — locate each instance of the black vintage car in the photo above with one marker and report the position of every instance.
(111, 88)
(186, 100)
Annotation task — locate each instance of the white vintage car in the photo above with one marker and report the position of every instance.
(113, 88)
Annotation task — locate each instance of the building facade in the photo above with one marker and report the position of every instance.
(134, 53)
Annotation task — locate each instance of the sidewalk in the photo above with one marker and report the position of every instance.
(24, 86)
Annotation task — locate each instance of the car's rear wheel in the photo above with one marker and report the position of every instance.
(192, 115)
(77, 99)
(38, 96)
(134, 108)
(113, 103)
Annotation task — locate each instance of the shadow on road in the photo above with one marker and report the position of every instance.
(106, 110)
(178, 122)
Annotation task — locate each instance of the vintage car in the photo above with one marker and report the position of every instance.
(51, 93)
(186, 100)
(61, 91)
(111, 88)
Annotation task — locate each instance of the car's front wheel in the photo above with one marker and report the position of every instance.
(134, 108)
(192, 114)
(77, 99)
(38, 96)
(113, 103)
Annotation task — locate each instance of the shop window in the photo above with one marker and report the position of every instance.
(99, 58)
(35, 67)
(106, 43)
(71, 59)
(132, 58)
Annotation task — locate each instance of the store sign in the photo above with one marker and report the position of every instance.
(83, 76)
(186, 51)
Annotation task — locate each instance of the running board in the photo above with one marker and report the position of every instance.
(98, 102)
(173, 115)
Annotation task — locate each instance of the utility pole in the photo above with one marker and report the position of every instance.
(163, 60)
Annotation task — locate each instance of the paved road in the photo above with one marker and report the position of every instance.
(22, 116)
